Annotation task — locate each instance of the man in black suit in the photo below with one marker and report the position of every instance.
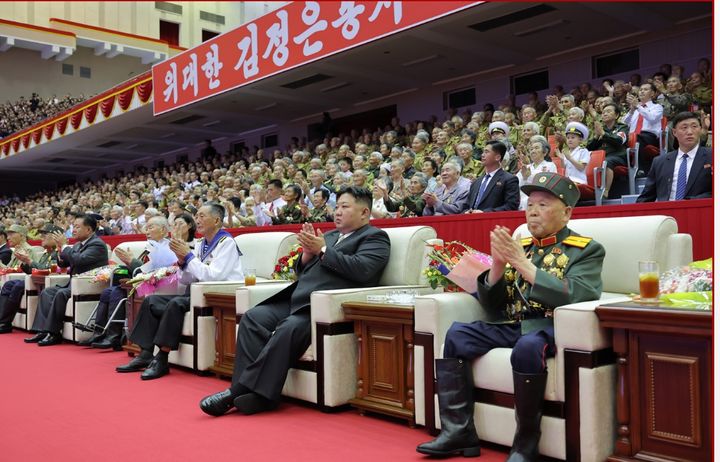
(5, 250)
(88, 253)
(275, 333)
(497, 190)
(685, 173)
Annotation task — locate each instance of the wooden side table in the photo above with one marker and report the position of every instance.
(664, 382)
(385, 362)
(132, 308)
(226, 319)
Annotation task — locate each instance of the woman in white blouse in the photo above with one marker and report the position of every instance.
(539, 150)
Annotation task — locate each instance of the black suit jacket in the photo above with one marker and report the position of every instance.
(5, 254)
(502, 193)
(660, 177)
(80, 259)
(357, 261)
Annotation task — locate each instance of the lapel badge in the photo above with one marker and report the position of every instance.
(499, 184)
(541, 252)
(556, 250)
(707, 166)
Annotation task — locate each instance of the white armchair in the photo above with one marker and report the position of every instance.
(261, 251)
(579, 398)
(326, 374)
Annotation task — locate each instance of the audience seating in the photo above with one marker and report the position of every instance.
(261, 251)
(581, 378)
(596, 183)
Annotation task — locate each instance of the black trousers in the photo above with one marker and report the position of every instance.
(109, 299)
(646, 139)
(51, 310)
(10, 297)
(270, 339)
(160, 321)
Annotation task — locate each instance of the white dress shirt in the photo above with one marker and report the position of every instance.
(652, 118)
(579, 154)
(678, 160)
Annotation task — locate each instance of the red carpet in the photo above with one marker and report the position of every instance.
(67, 403)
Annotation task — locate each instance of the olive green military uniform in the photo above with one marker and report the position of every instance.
(288, 214)
(411, 206)
(318, 215)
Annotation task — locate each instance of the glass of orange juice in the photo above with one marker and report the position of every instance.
(250, 277)
(649, 280)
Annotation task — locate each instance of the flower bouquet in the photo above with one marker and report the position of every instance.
(688, 286)
(100, 274)
(285, 267)
(454, 266)
(145, 284)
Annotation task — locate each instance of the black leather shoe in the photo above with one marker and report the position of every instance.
(158, 367)
(108, 342)
(96, 337)
(136, 365)
(5, 328)
(51, 339)
(35, 338)
(217, 404)
(252, 403)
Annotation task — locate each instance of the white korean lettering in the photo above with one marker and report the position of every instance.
(278, 39)
(397, 11)
(171, 82)
(212, 66)
(310, 16)
(190, 74)
(348, 19)
(249, 57)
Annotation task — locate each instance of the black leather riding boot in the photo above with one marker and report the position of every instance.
(455, 397)
(529, 398)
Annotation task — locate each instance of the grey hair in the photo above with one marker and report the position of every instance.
(456, 162)
(423, 136)
(422, 179)
(376, 155)
(152, 211)
(532, 126)
(543, 142)
(161, 221)
(570, 97)
(576, 110)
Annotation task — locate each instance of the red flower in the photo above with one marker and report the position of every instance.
(278, 268)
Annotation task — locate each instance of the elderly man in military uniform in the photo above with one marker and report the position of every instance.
(25, 258)
(527, 280)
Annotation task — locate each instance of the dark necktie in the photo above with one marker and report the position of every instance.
(483, 186)
(682, 179)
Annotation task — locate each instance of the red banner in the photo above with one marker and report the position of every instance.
(296, 34)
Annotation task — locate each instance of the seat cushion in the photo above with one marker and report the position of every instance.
(494, 372)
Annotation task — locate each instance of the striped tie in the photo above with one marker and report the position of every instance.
(682, 179)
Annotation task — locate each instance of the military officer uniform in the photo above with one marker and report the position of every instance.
(288, 214)
(613, 141)
(568, 271)
(318, 215)
(410, 206)
(13, 290)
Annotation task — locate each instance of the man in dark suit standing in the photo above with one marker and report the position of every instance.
(275, 333)
(685, 173)
(497, 190)
(88, 253)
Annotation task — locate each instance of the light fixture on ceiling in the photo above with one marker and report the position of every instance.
(210, 124)
(540, 28)
(590, 45)
(267, 106)
(132, 146)
(474, 74)
(335, 87)
(380, 98)
(415, 62)
(167, 135)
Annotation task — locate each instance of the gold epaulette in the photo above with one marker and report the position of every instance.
(526, 241)
(577, 241)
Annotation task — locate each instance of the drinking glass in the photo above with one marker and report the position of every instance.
(649, 280)
(250, 277)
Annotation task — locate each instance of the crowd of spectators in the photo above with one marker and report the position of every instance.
(20, 114)
(417, 168)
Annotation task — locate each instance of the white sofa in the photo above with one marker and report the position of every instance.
(260, 251)
(326, 375)
(579, 410)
